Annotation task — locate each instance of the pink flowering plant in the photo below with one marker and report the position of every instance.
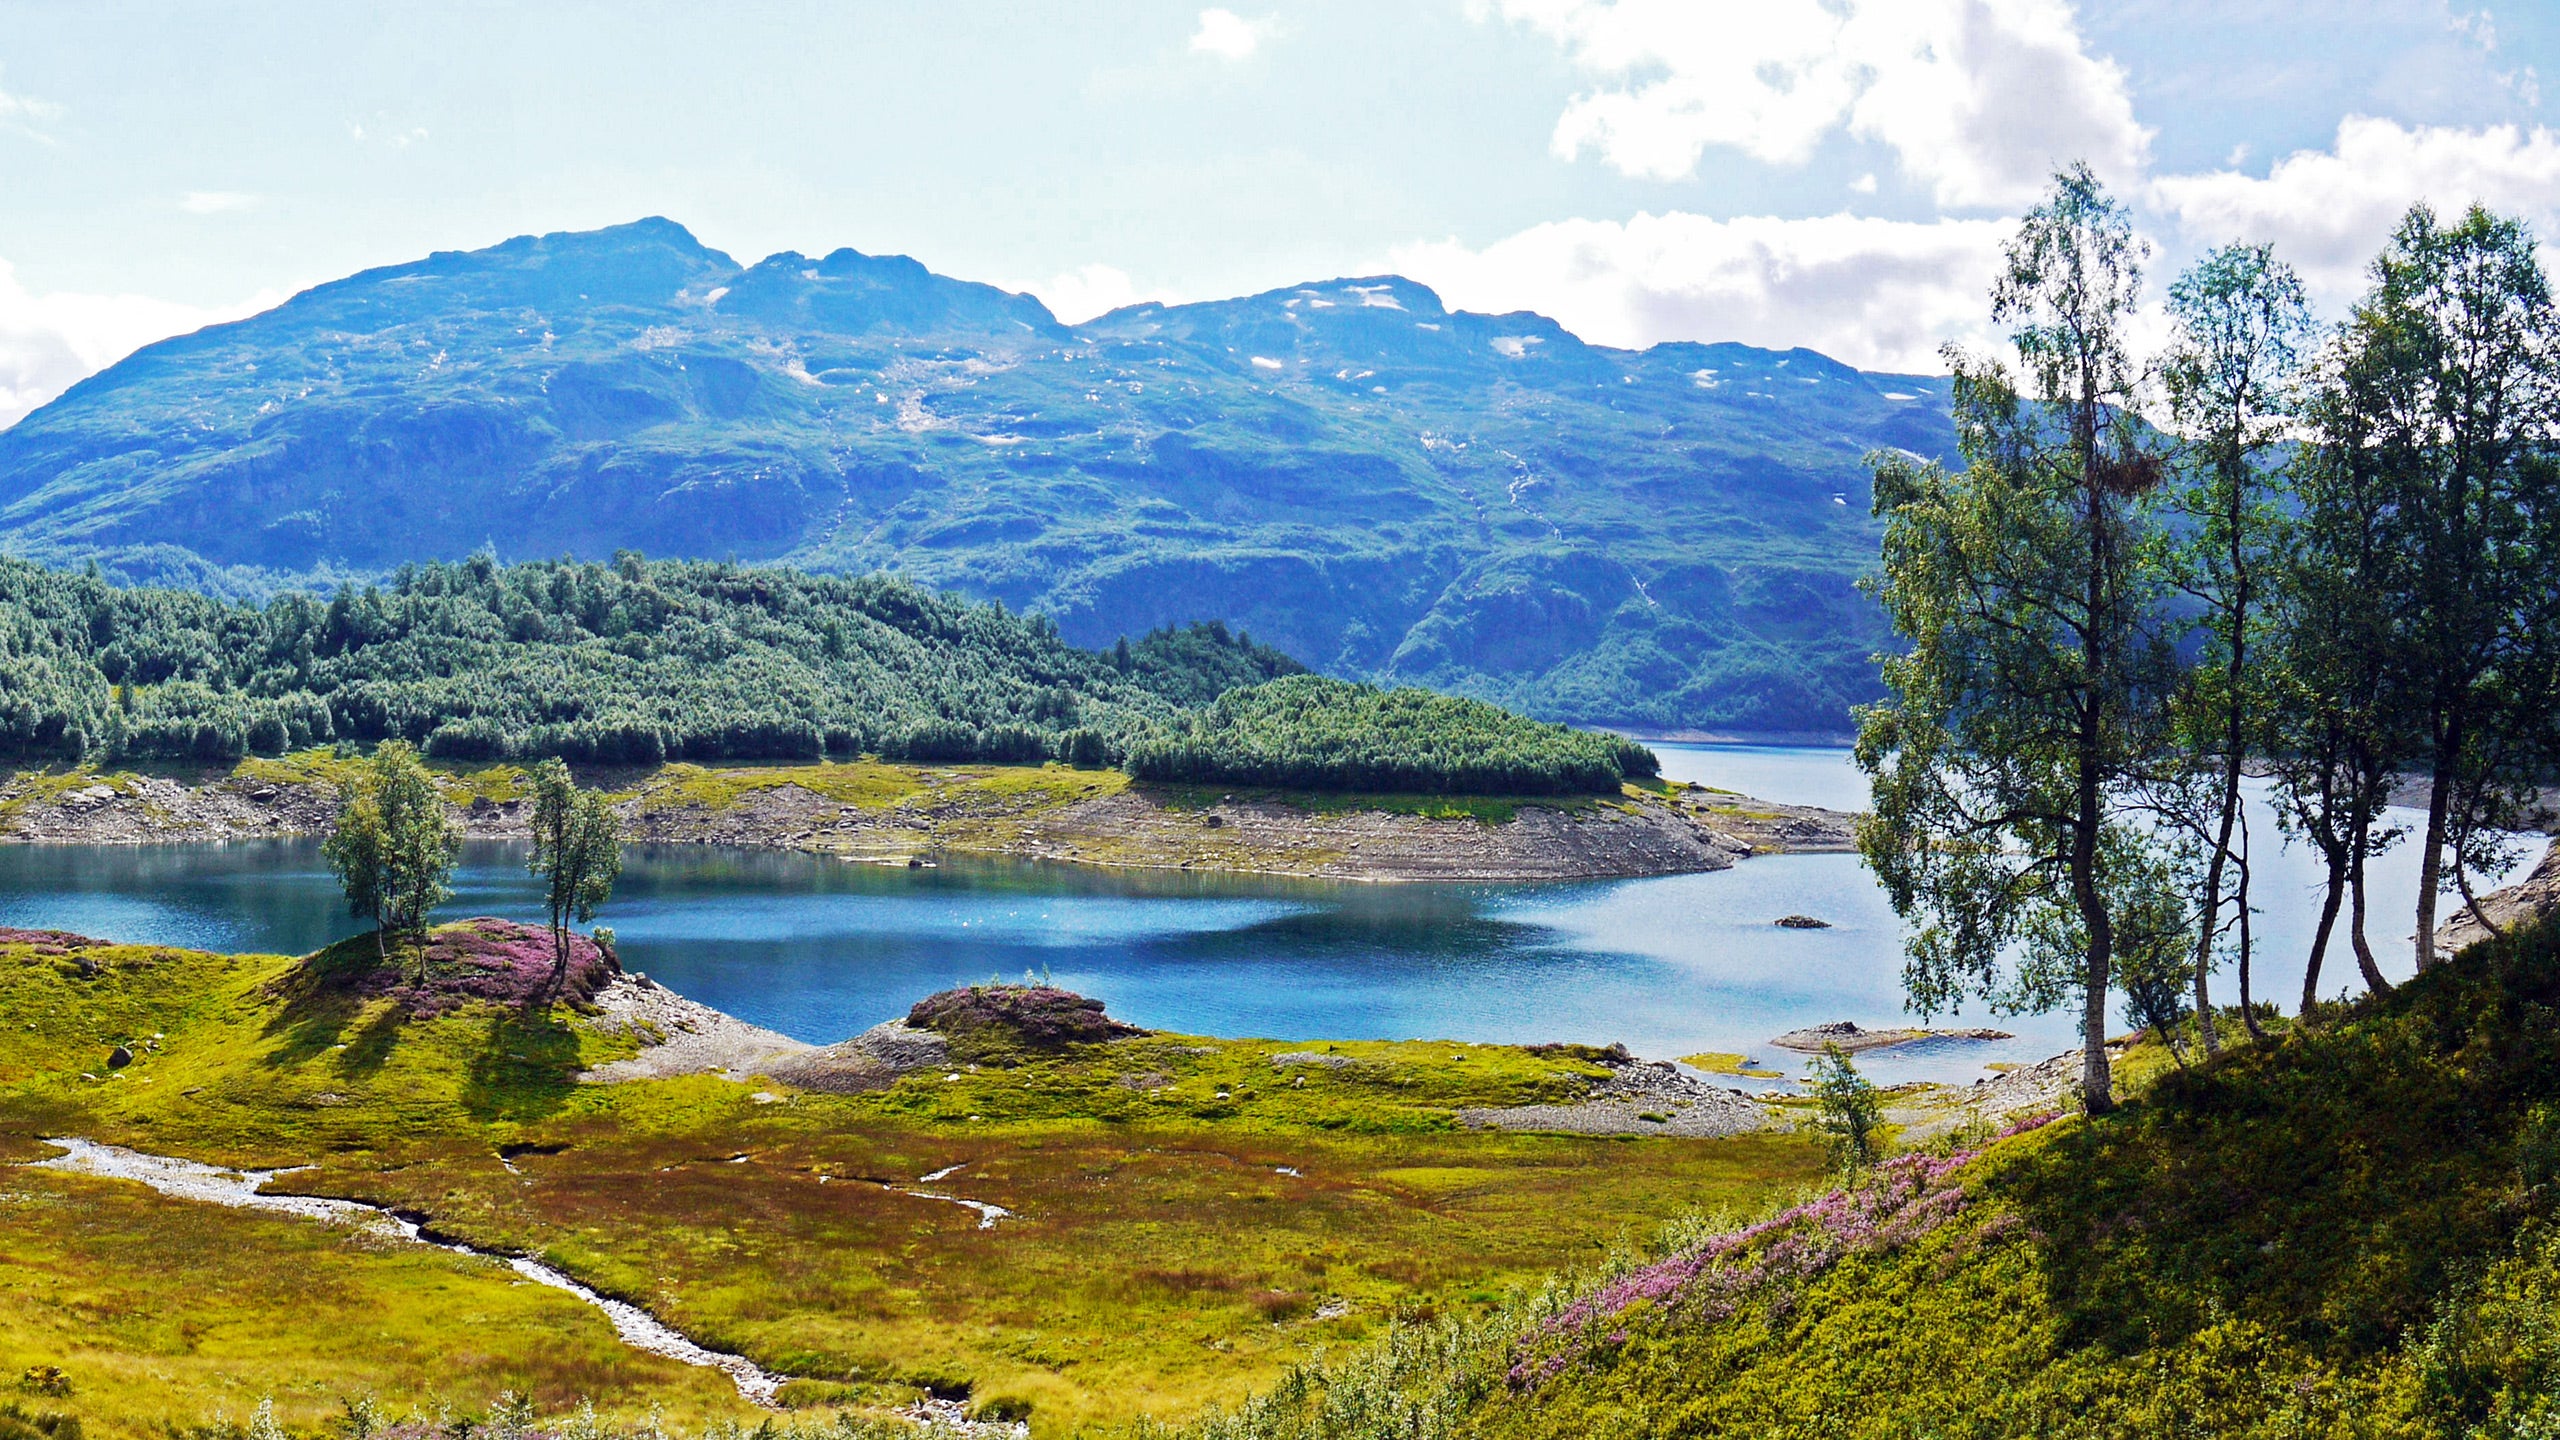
(47, 942)
(485, 960)
(1897, 1203)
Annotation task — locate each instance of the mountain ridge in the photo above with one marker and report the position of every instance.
(1386, 488)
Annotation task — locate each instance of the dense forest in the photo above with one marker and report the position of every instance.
(1307, 731)
(639, 662)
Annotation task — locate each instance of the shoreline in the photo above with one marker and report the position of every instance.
(869, 812)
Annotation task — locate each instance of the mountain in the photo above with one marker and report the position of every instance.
(1382, 487)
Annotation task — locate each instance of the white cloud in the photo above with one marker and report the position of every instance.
(2328, 211)
(1230, 36)
(1979, 99)
(50, 342)
(27, 115)
(1090, 290)
(1880, 294)
(214, 202)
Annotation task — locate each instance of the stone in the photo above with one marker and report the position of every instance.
(119, 1057)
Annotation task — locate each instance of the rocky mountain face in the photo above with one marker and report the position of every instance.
(1384, 488)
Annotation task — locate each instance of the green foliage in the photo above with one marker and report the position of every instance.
(2232, 373)
(357, 849)
(1309, 732)
(1193, 665)
(646, 662)
(2029, 710)
(1846, 1108)
(2439, 432)
(632, 662)
(394, 846)
(577, 850)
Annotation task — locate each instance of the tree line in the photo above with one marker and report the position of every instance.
(1305, 731)
(638, 662)
(2327, 553)
(630, 662)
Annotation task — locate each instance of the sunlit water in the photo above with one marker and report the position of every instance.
(821, 948)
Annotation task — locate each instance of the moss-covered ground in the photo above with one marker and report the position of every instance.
(1191, 1216)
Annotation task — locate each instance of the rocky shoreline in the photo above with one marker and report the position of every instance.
(908, 815)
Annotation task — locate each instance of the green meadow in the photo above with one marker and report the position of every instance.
(1190, 1219)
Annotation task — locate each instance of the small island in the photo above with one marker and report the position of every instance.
(1850, 1038)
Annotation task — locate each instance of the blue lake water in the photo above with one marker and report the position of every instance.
(820, 948)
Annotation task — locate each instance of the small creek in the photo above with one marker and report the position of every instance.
(245, 1190)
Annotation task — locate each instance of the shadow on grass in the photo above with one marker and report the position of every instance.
(2329, 1185)
(322, 998)
(526, 1071)
(522, 1061)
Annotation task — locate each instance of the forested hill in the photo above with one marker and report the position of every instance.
(1379, 486)
(638, 662)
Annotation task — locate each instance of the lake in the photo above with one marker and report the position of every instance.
(820, 948)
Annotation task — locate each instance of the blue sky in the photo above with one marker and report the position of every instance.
(1836, 173)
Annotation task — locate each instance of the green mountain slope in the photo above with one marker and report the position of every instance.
(2345, 1232)
(1381, 487)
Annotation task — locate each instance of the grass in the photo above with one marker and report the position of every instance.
(1724, 1062)
(1484, 809)
(2352, 1230)
(166, 1310)
(1164, 1256)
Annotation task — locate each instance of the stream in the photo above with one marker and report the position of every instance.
(245, 1190)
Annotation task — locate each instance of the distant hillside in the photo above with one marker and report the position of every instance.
(1383, 488)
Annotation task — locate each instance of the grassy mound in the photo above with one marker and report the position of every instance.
(1306, 732)
(2346, 1231)
(992, 1021)
(485, 960)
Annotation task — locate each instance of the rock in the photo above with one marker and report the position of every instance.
(1803, 922)
(1215, 822)
(872, 1060)
(1309, 1057)
(119, 1057)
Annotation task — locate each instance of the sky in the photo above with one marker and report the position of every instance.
(1838, 174)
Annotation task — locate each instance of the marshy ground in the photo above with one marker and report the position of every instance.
(1186, 1216)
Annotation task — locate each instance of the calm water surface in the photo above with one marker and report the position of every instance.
(819, 948)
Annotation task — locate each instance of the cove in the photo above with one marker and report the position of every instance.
(820, 948)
